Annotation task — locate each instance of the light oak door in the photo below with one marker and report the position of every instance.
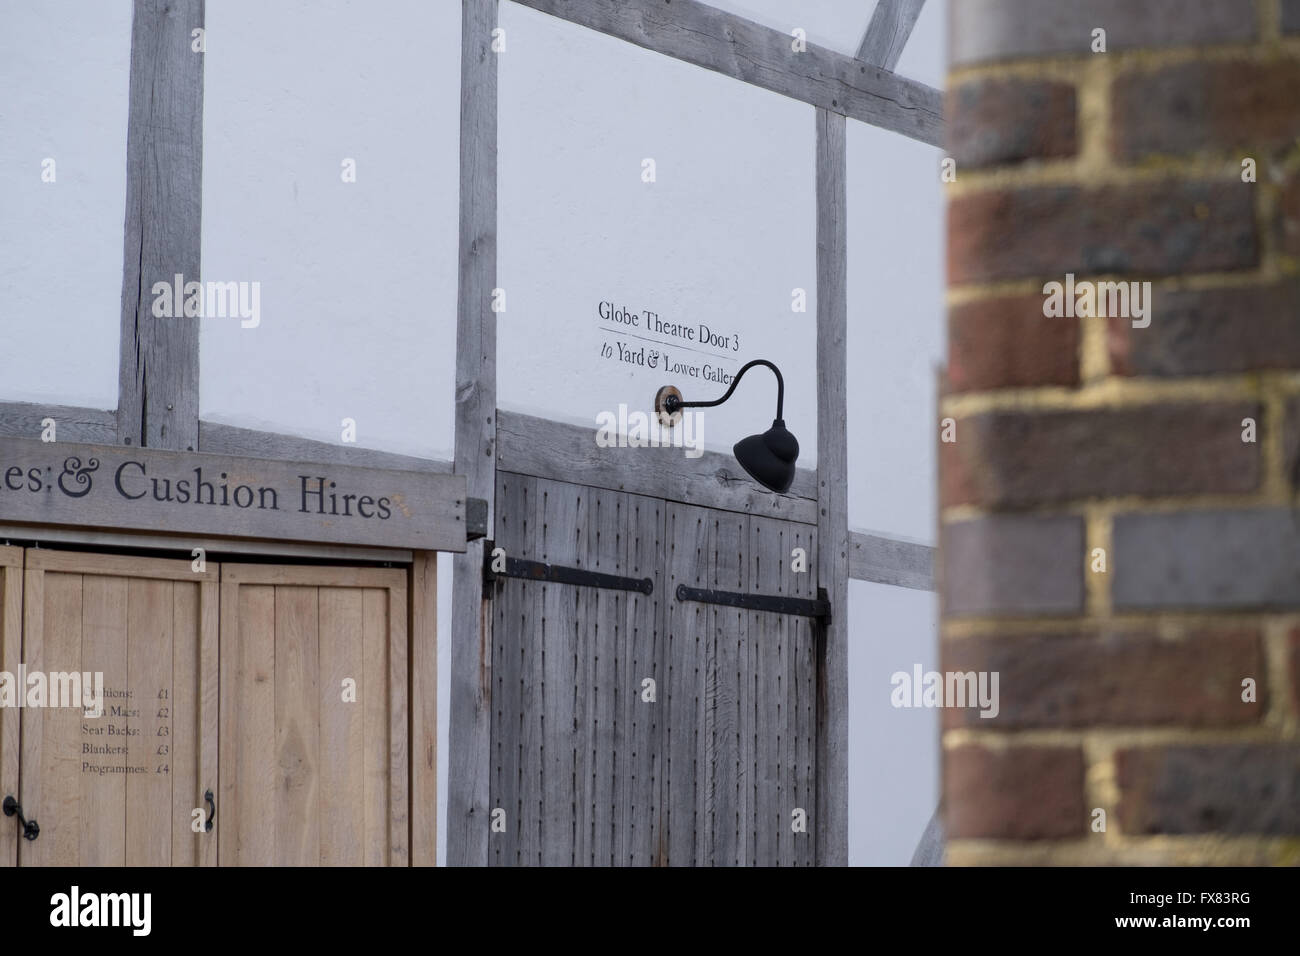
(313, 724)
(11, 648)
(122, 787)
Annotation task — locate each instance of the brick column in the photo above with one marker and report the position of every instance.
(1113, 544)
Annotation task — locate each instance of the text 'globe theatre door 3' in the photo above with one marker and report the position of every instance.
(198, 713)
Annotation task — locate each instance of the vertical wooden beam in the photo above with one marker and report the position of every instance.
(423, 711)
(832, 490)
(158, 372)
(891, 24)
(476, 393)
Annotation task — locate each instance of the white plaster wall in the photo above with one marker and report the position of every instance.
(896, 343)
(358, 280)
(722, 237)
(65, 75)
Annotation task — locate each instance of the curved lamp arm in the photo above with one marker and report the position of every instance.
(672, 403)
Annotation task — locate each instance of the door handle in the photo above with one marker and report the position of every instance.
(30, 830)
(212, 811)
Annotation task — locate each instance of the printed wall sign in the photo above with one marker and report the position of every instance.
(651, 189)
(143, 489)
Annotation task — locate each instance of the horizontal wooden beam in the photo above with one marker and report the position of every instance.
(220, 439)
(705, 36)
(563, 452)
(24, 420)
(874, 557)
(120, 487)
(891, 24)
(183, 545)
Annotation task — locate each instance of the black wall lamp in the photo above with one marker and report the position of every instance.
(769, 458)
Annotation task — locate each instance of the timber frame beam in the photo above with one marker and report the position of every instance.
(701, 34)
(159, 361)
(891, 25)
(158, 372)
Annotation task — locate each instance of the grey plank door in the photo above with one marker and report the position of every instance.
(594, 765)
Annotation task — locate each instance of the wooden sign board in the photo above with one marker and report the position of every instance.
(141, 489)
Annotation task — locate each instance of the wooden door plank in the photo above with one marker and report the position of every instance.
(601, 643)
(104, 649)
(639, 761)
(31, 726)
(123, 565)
(532, 699)
(150, 610)
(11, 631)
(515, 722)
(563, 606)
(209, 708)
(728, 643)
(297, 727)
(186, 737)
(803, 700)
(424, 709)
(690, 553)
(393, 607)
(58, 756)
(342, 767)
(247, 835)
(377, 727)
(772, 819)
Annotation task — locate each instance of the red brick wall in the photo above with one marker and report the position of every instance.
(1122, 689)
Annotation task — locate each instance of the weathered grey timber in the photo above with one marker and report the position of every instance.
(874, 557)
(90, 425)
(145, 489)
(158, 373)
(563, 452)
(184, 545)
(701, 34)
(891, 24)
(831, 818)
(475, 457)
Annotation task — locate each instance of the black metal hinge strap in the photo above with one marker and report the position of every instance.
(559, 574)
(804, 607)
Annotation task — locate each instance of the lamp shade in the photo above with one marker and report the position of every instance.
(769, 458)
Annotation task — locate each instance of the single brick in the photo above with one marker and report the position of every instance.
(1015, 458)
(1146, 229)
(1247, 558)
(1217, 106)
(1211, 788)
(1291, 16)
(1008, 121)
(1294, 669)
(1007, 29)
(1210, 331)
(1008, 342)
(1289, 218)
(1293, 644)
(1013, 564)
(1112, 679)
(1291, 440)
(1016, 793)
